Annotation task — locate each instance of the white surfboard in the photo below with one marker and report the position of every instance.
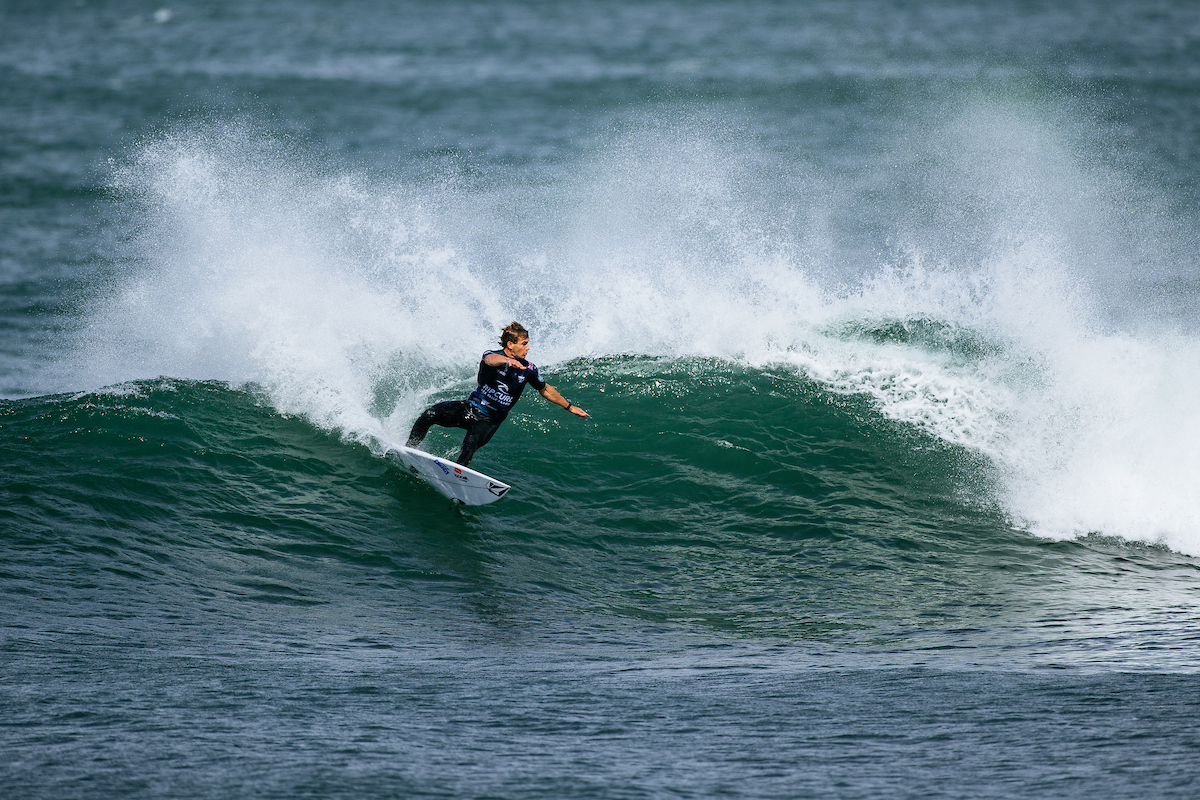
(461, 484)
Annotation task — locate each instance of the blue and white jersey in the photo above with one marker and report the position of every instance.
(500, 387)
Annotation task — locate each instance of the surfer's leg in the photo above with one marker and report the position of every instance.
(478, 434)
(448, 414)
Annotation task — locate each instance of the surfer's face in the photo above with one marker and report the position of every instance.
(518, 349)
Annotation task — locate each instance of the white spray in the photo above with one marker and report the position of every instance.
(351, 304)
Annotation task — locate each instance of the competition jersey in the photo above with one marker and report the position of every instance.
(500, 387)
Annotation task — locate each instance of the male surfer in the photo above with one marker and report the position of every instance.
(502, 377)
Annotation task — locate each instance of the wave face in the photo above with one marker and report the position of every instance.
(703, 498)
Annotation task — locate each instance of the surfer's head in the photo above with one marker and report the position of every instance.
(515, 340)
(515, 332)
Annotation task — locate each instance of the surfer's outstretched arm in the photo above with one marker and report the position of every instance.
(551, 394)
(501, 360)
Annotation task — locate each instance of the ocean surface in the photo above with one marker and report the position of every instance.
(887, 316)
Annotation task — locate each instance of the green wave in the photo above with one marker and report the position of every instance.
(701, 496)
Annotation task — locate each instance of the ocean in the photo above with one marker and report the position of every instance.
(886, 314)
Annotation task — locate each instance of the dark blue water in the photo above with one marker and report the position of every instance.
(884, 313)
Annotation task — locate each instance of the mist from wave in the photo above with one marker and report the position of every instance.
(352, 300)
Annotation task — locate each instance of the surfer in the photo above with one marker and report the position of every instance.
(502, 377)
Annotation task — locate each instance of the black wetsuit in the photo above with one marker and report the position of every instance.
(481, 413)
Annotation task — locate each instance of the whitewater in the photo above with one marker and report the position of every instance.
(352, 301)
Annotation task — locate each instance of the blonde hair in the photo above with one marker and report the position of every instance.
(515, 332)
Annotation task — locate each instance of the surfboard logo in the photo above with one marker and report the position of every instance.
(458, 474)
(443, 466)
(497, 489)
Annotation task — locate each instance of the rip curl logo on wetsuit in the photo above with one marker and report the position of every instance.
(500, 387)
(497, 394)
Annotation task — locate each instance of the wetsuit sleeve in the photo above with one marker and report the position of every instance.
(535, 378)
(485, 372)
